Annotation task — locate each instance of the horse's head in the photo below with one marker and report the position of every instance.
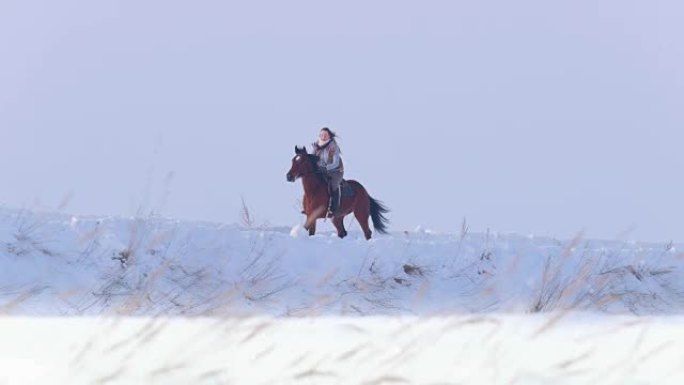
(302, 164)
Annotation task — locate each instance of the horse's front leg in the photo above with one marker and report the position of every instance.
(310, 224)
(311, 218)
(305, 204)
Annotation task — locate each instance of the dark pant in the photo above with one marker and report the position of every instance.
(334, 180)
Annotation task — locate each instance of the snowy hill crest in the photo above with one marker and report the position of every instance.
(61, 265)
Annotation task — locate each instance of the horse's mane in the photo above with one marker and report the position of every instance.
(317, 170)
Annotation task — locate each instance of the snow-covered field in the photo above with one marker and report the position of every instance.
(458, 349)
(152, 300)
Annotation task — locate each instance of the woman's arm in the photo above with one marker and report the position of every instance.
(333, 160)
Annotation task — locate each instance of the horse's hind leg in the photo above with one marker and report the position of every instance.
(339, 225)
(362, 216)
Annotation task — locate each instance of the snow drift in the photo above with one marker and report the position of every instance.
(62, 265)
(158, 301)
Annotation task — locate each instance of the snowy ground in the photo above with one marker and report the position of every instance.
(151, 300)
(334, 350)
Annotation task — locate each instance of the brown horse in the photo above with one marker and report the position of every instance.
(317, 196)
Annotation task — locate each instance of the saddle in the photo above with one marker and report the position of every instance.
(346, 188)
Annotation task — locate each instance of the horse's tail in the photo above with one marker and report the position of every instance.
(378, 211)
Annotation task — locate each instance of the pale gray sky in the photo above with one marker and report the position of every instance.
(544, 117)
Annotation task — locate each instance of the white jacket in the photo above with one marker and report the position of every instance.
(329, 157)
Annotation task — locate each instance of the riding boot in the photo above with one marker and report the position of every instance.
(335, 198)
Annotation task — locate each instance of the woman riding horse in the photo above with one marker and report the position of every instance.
(317, 171)
(331, 165)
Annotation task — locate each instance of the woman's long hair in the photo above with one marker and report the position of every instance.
(332, 134)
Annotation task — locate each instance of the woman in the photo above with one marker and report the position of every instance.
(331, 165)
